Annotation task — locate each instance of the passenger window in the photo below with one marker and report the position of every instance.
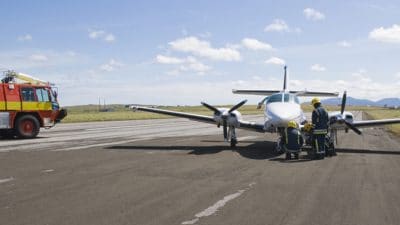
(27, 94)
(43, 95)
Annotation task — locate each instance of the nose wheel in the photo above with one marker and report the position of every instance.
(279, 146)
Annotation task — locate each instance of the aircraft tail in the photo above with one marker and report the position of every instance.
(285, 90)
(285, 79)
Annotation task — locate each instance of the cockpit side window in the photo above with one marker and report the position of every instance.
(275, 98)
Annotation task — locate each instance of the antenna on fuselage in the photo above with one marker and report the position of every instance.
(285, 78)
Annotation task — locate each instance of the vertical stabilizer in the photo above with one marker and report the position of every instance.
(285, 79)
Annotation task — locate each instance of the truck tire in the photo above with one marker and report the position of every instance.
(27, 126)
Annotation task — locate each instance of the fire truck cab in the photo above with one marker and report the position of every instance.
(26, 105)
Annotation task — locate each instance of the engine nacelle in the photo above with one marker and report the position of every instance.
(232, 119)
(336, 119)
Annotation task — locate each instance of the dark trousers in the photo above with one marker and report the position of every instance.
(319, 143)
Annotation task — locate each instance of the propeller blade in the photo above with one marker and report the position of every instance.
(210, 107)
(225, 130)
(237, 106)
(343, 102)
(351, 126)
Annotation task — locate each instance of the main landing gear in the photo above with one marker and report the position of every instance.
(232, 136)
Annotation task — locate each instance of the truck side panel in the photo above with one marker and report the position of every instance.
(12, 97)
(2, 100)
(35, 106)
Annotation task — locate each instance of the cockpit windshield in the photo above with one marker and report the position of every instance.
(283, 98)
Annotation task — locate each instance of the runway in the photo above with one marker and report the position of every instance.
(176, 171)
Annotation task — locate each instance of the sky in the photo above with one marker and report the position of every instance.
(181, 52)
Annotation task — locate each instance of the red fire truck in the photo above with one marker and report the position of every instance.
(26, 105)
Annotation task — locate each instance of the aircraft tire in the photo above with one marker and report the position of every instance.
(233, 143)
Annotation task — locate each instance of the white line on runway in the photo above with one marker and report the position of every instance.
(247, 138)
(219, 204)
(99, 145)
(6, 180)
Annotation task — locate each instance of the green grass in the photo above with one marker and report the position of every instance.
(384, 114)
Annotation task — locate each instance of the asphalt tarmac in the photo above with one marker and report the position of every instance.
(175, 171)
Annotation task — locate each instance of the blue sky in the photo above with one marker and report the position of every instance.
(184, 52)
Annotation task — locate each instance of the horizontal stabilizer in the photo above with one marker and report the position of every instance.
(314, 94)
(255, 92)
(298, 93)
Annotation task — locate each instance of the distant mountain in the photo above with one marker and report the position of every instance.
(389, 102)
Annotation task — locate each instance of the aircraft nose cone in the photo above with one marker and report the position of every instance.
(282, 114)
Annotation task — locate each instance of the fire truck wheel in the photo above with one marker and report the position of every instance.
(27, 126)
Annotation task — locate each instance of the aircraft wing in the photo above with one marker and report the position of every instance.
(255, 92)
(257, 127)
(200, 118)
(374, 123)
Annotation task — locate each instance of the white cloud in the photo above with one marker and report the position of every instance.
(313, 14)
(275, 61)
(203, 48)
(109, 38)
(94, 34)
(360, 76)
(168, 60)
(26, 37)
(101, 34)
(194, 65)
(185, 64)
(279, 25)
(111, 65)
(254, 44)
(317, 68)
(344, 44)
(38, 58)
(389, 35)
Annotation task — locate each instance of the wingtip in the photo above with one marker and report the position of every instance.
(134, 107)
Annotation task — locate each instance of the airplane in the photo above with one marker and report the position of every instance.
(281, 106)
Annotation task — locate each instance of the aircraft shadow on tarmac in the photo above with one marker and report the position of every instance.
(367, 151)
(257, 150)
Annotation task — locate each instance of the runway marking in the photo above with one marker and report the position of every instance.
(219, 204)
(99, 145)
(247, 138)
(2, 181)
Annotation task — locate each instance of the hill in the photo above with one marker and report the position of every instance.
(389, 102)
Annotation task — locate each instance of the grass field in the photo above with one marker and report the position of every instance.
(386, 113)
(90, 113)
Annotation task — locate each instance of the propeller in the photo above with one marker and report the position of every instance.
(224, 114)
(212, 108)
(342, 117)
